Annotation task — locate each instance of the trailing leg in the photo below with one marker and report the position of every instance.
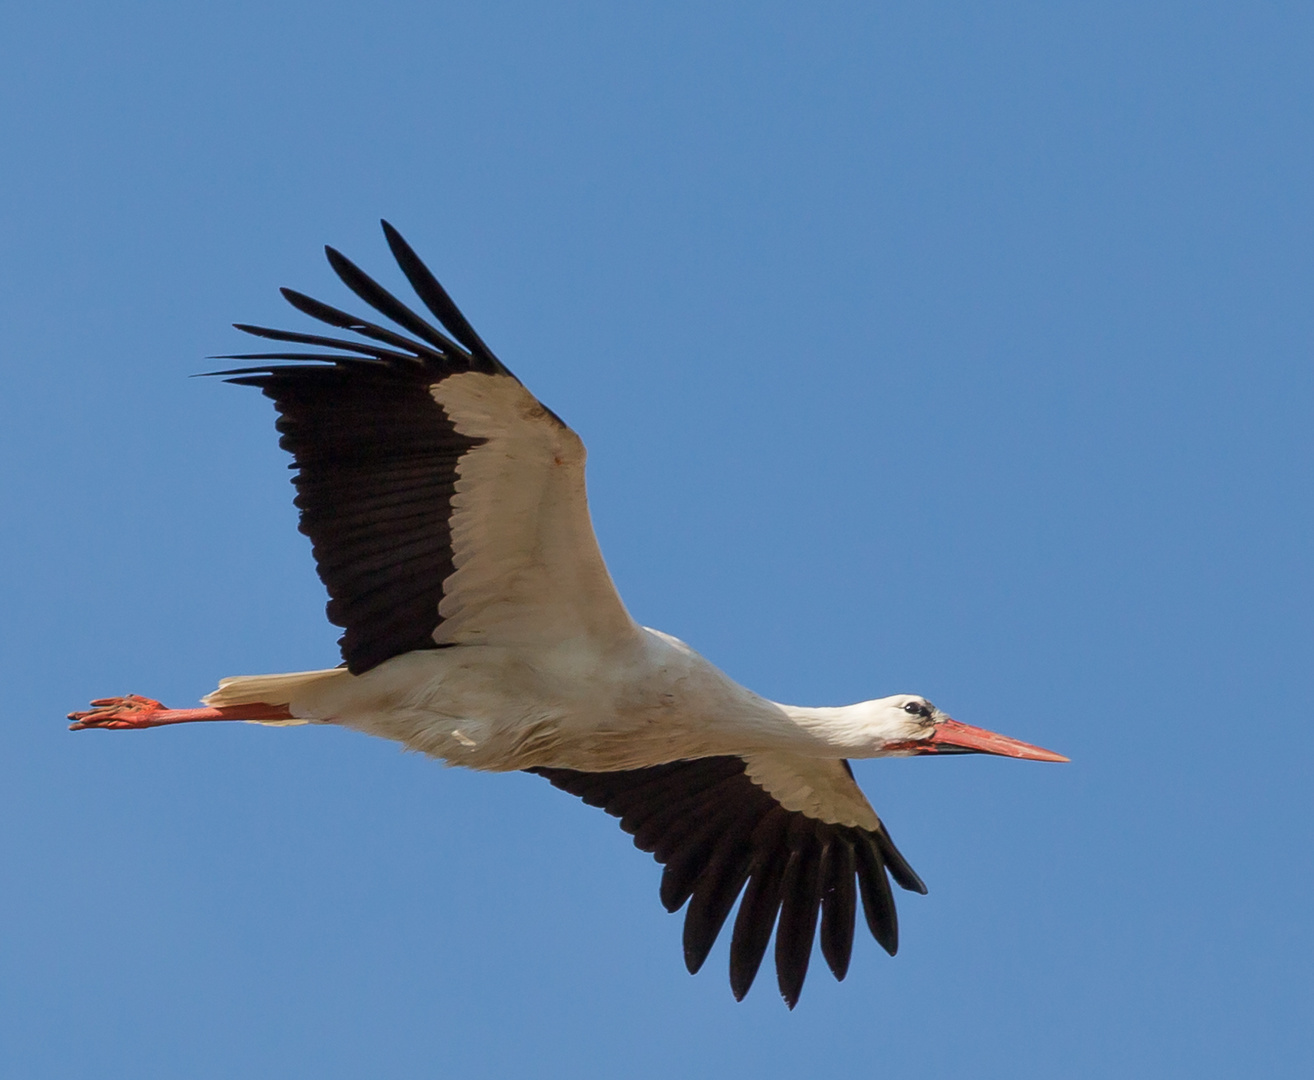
(133, 711)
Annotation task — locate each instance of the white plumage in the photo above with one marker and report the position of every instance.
(450, 524)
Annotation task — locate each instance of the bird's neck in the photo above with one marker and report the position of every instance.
(819, 731)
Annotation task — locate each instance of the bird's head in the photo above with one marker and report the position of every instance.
(908, 725)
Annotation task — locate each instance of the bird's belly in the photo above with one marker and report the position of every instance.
(485, 708)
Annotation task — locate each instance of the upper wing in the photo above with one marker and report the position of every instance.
(792, 833)
(444, 503)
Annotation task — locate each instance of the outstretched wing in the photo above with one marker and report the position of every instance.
(444, 503)
(793, 834)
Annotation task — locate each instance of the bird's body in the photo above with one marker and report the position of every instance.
(447, 510)
(645, 700)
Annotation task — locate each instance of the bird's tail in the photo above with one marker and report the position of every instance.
(269, 690)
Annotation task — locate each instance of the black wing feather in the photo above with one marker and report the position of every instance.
(719, 834)
(382, 301)
(322, 341)
(317, 309)
(375, 455)
(877, 899)
(761, 901)
(839, 907)
(435, 298)
(800, 900)
(715, 892)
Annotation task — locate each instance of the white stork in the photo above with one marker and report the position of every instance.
(447, 513)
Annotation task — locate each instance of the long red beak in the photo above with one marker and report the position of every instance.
(951, 736)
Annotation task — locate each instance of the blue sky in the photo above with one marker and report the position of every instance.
(957, 349)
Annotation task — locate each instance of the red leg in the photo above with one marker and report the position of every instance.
(132, 711)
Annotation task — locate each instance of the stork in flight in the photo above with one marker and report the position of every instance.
(447, 513)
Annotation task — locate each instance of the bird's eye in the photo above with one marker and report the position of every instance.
(916, 708)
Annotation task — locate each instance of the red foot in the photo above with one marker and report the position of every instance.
(132, 711)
